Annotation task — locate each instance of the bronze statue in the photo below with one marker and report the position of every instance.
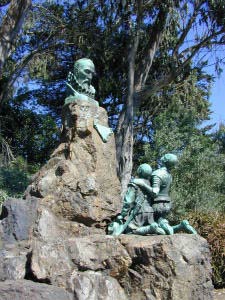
(147, 202)
(137, 206)
(81, 100)
(79, 81)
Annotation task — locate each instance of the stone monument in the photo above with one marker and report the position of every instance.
(80, 182)
(54, 243)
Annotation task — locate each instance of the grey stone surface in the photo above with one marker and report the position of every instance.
(57, 234)
(168, 267)
(18, 217)
(99, 253)
(91, 285)
(147, 267)
(54, 261)
(88, 263)
(50, 262)
(48, 227)
(28, 290)
(79, 182)
(13, 261)
(219, 294)
(42, 245)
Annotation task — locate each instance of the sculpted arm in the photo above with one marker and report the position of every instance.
(142, 184)
(151, 190)
(156, 185)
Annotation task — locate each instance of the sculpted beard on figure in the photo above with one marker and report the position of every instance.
(79, 81)
(81, 93)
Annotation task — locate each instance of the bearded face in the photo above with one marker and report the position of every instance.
(84, 71)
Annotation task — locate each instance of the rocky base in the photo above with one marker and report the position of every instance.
(53, 242)
(79, 182)
(24, 289)
(73, 261)
(168, 267)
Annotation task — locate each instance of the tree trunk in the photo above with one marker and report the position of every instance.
(136, 81)
(124, 137)
(11, 25)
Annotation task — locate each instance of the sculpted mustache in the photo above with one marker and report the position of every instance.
(85, 80)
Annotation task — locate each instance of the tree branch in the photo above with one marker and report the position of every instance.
(10, 27)
(205, 42)
(196, 7)
(149, 53)
(158, 84)
(21, 65)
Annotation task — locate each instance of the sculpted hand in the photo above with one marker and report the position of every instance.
(138, 181)
(120, 217)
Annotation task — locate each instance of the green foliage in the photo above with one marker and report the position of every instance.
(15, 178)
(57, 33)
(30, 134)
(218, 12)
(13, 181)
(212, 227)
(168, 119)
(220, 137)
(3, 197)
(198, 180)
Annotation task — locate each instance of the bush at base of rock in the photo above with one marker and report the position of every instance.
(14, 177)
(211, 226)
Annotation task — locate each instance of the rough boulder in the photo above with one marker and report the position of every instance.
(54, 243)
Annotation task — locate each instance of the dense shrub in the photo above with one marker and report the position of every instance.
(212, 227)
(14, 178)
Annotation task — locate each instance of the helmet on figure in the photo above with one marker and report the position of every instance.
(169, 160)
(144, 171)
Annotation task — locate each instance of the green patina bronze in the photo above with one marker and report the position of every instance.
(103, 131)
(79, 82)
(147, 203)
(137, 206)
(81, 91)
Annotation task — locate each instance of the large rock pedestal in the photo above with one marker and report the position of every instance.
(54, 245)
(79, 182)
(97, 266)
(168, 267)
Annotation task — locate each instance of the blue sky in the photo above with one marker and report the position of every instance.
(217, 100)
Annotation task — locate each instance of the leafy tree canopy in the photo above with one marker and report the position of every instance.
(164, 45)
